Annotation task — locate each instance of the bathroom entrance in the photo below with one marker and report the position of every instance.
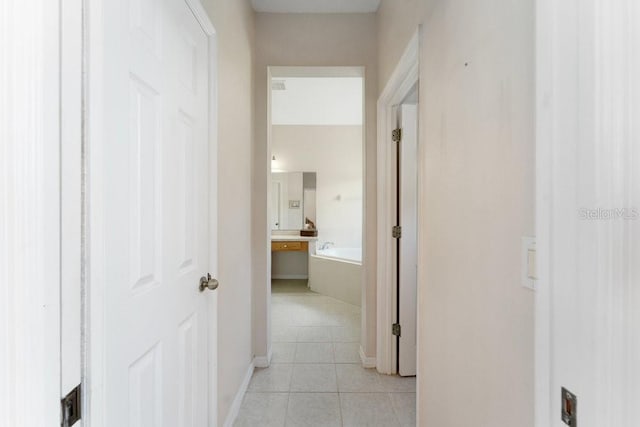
(316, 214)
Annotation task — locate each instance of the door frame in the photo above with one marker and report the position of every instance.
(263, 302)
(403, 79)
(93, 223)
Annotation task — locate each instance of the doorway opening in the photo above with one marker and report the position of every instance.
(316, 213)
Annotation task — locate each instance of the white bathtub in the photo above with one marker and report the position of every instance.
(343, 254)
(337, 272)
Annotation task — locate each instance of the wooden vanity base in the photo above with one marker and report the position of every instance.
(292, 246)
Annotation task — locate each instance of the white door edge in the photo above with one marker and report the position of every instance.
(71, 194)
(30, 213)
(408, 256)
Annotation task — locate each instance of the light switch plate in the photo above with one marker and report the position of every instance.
(528, 266)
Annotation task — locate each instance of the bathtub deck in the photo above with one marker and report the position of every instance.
(336, 278)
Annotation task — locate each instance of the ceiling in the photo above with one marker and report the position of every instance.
(316, 6)
(319, 101)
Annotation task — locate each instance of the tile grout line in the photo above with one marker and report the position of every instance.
(335, 370)
(286, 411)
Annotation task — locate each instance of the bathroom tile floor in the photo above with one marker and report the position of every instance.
(315, 377)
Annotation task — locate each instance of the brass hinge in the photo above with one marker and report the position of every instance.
(395, 329)
(396, 135)
(396, 232)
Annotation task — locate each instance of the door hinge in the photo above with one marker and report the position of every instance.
(396, 232)
(396, 135)
(395, 329)
(71, 407)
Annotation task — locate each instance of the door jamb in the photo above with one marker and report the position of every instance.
(403, 79)
(93, 257)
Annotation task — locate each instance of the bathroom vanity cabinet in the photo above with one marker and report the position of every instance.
(290, 256)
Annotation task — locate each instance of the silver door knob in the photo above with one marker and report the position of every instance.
(208, 283)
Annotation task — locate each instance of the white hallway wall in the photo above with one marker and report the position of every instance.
(477, 148)
(335, 154)
(234, 22)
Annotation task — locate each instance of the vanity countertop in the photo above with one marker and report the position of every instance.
(291, 238)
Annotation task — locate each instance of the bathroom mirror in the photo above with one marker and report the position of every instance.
(293, 198)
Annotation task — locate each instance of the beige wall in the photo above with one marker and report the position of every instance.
(311, 40)
(234, 22)
(476, 127)
(397, 22)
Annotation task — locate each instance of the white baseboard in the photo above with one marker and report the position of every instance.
(234, 410)
(367, 362)
(263, 361)
(290, 276)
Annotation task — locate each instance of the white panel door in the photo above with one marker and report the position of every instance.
(407, 250)
(155, 214)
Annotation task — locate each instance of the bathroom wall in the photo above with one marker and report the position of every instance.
(335, 154)
(476, 345)
(312, 40)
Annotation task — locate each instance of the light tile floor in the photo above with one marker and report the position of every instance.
(315, 377)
